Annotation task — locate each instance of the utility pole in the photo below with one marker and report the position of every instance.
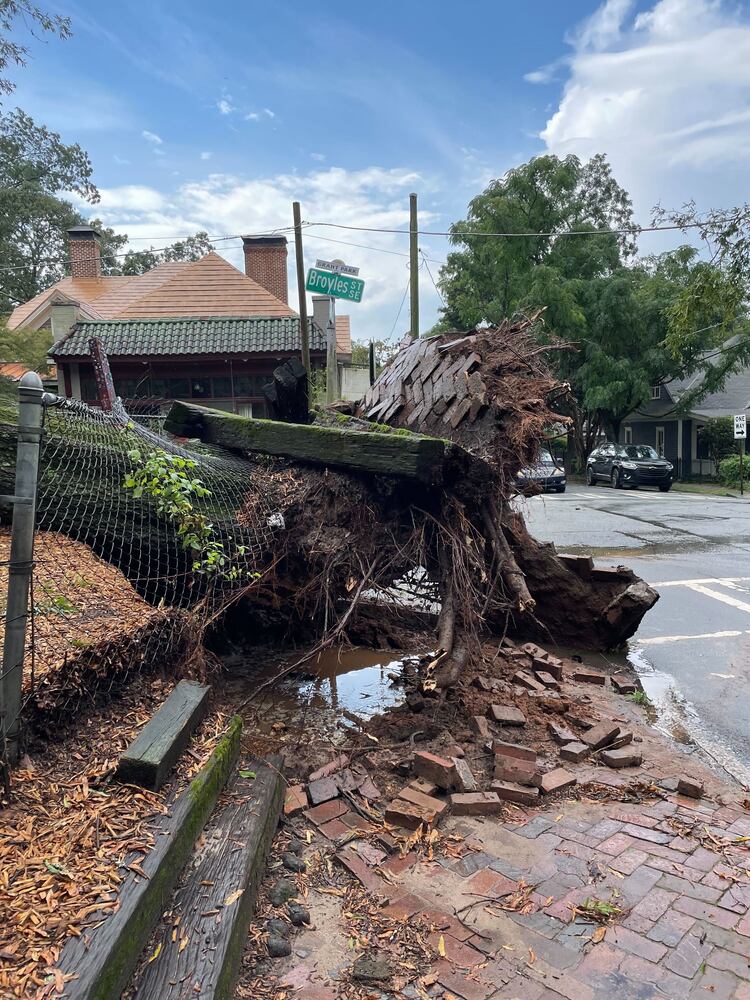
(371, 359)
(304, 340)
(414, 266)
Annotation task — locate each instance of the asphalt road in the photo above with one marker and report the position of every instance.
(693, 648)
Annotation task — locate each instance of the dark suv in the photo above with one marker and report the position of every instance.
(629, 465)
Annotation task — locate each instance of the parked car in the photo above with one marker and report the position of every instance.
(631, 465)
(546, 474)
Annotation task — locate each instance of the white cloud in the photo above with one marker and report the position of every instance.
(318, 157)
(225, 106)
(152, 137)
(206, 155)
(665, 95)
(603, 27)
(224, 204)
(256, 116)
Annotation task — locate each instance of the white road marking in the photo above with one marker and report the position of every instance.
(724, 677)
(727, 581)
(718, 596)
(659, 639)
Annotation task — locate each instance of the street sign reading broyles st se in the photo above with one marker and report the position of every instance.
(340, 286)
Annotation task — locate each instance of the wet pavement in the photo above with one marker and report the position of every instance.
(693, 648)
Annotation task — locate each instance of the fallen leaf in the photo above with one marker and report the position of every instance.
(233, 897)
(532, 956)
(246, 774)
(441, 946)
(157, 952)
(598, 935)
(183, 943)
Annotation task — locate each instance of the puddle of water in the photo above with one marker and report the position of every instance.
(352, 679)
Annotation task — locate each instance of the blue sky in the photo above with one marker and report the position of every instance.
(218, 116)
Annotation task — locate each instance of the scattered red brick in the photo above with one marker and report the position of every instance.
(513, 792)
(322, 790)
(514, 750)
(557, 781)
(575, 752)
(601, 735)
(466, 782)
(475, 803)
(440, 771)
(508, 715)
(621, 758)
(526, 680)
(588, 677)
(694, 789)
(295, 800)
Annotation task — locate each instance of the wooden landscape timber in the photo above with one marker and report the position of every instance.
(221, 882)
(410, 456)
(152, 755)
(103, 959)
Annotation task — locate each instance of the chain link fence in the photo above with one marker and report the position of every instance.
(137, 541)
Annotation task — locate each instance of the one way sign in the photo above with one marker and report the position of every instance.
(740, 425)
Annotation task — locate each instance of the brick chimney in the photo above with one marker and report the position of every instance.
(85, 252)
(265, 262)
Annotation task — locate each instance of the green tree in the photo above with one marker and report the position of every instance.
(13, 12)
(361, 353)
(29, 347)
(573, 258)
(35, 167)
(191, 248)
(711, 310)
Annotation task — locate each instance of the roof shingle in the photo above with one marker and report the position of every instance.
(210, 286)
(185, 336)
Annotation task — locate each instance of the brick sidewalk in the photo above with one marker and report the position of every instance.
(684, 930)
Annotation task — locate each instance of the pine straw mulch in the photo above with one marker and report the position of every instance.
(71, 834)
(79, 601)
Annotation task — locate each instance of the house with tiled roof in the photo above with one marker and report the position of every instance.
(191, 330)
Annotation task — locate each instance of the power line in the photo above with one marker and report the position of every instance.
(427, 266)
(406, 292)
(631, 230)
(365, 246)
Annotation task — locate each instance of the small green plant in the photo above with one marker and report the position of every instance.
(729, 470)
(169, 481)
(599, 909)
(55, 602)
(640, 698)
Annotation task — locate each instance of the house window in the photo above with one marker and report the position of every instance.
(660, 440)
(200, 388)
(628, 434)
(222, 387)
(656, 392)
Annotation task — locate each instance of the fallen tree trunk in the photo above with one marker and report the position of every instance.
(412, 456)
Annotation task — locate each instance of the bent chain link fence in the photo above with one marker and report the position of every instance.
(114, 585)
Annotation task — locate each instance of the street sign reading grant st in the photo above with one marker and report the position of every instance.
(340, 286)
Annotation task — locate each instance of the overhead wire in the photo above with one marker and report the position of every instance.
(460, 234)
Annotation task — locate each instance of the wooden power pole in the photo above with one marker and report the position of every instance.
(414, 266)
(303, 331)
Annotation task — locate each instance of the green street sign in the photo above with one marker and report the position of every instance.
(340, 286)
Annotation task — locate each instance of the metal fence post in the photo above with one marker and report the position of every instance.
(30, 394)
